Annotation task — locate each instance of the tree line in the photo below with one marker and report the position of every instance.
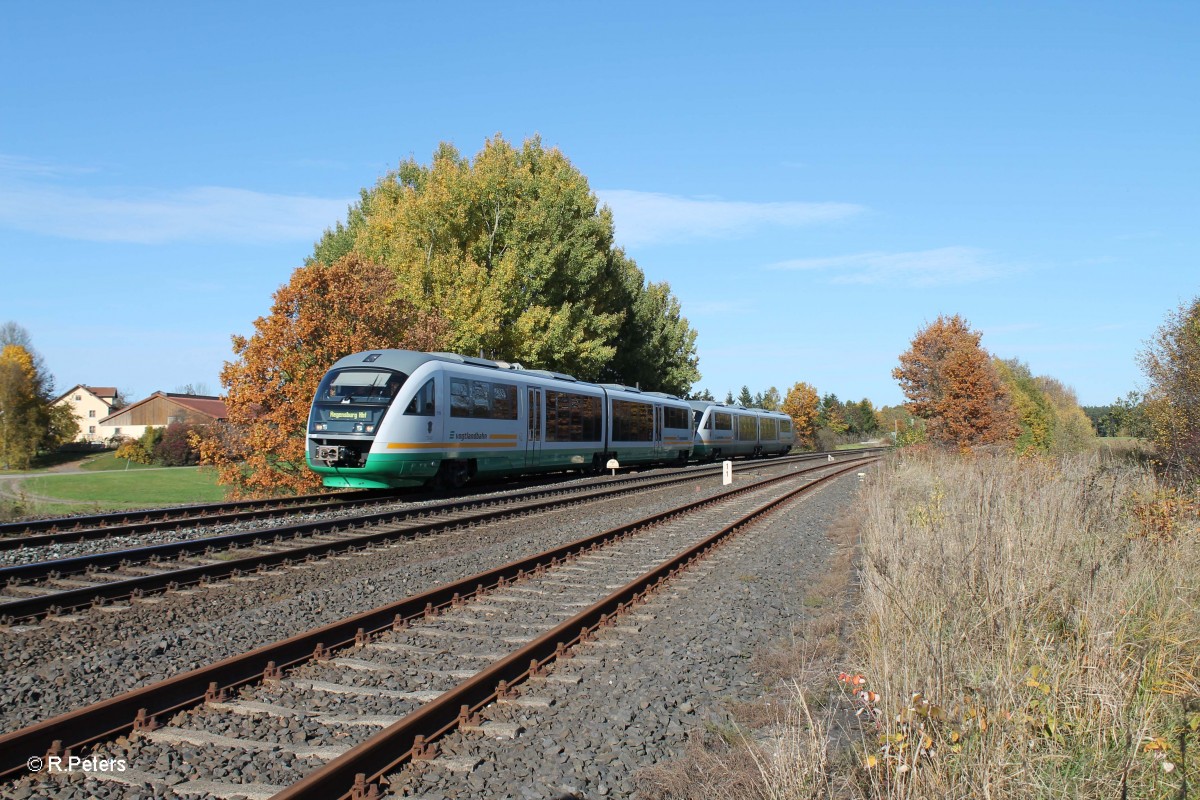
(508, 255)
(963, 396)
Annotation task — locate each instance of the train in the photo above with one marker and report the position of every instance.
(385, 419)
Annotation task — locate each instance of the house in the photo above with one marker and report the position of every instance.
(161, 409)
(90, 405)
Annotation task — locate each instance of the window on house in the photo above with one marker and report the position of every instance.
(91, 428)
(78, 397)
(92, 413)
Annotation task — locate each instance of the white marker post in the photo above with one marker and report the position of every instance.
(726, 473)
(613, 465)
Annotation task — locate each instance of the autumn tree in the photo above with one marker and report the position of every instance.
(29, 421)
(801, 405)
(899, 422)
(1073, 432)
(771, 400)
(513, 251)
(323, 313)
(951, 383)
(1171, 362)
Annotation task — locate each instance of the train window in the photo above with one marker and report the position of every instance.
(572, 417)
(747, 430)
(785, 426)
(504, 401)
(422, 404)
(769, 427)
(632, 422)
(481, 403)
(460, 398)
(675, 417)
(724, 422)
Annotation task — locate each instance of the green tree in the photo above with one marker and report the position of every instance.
(656, 348)
(703, 394)
(729, 398)
(1034, 412)
(860, 417)
(514, 253)
(745, 398)
(771, 400)
(831, 415)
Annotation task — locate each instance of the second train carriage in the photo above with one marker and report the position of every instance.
(725, 431)
(390, 418)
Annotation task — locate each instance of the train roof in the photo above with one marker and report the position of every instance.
(704, 405)
(407, 361)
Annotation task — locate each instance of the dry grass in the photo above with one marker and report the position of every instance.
(1031, 629)
(1026, 628)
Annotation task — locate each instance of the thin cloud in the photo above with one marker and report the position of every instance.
(943, 266)
(649, 217)
(148, 216)
(20, 165)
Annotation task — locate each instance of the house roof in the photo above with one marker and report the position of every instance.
(103, 392)
(207, 405)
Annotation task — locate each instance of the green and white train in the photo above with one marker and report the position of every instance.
(391, 418)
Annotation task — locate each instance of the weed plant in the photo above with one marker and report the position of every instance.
(1029, 628)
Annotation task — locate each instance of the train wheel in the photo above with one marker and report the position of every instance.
(453, 474)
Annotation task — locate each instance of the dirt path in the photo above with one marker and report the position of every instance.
(10, 485)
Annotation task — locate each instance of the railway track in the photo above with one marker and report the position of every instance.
(31, 591)
(86, 528)
(380, 687)
(42, 532)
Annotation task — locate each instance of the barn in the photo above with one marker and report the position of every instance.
(161, 409)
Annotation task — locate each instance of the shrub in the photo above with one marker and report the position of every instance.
(174, 448)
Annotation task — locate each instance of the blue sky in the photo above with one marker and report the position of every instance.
(817, 181)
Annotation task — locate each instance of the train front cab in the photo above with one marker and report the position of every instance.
(354, 415)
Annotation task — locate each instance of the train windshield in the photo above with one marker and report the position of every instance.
(354, 400)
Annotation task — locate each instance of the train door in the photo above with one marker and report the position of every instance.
(533, 433)
(658, 430)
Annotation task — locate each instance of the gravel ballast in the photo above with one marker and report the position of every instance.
(670, 667)
(58, 665)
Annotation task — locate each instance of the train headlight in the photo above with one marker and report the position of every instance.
(370, 429)
(320, 426)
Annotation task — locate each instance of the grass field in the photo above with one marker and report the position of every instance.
(114, 489)
(106, 462)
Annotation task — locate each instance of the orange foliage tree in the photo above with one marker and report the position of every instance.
(801, 404)
(951, 382)
(323, 313)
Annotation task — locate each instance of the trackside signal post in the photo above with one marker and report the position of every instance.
(726, 473)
